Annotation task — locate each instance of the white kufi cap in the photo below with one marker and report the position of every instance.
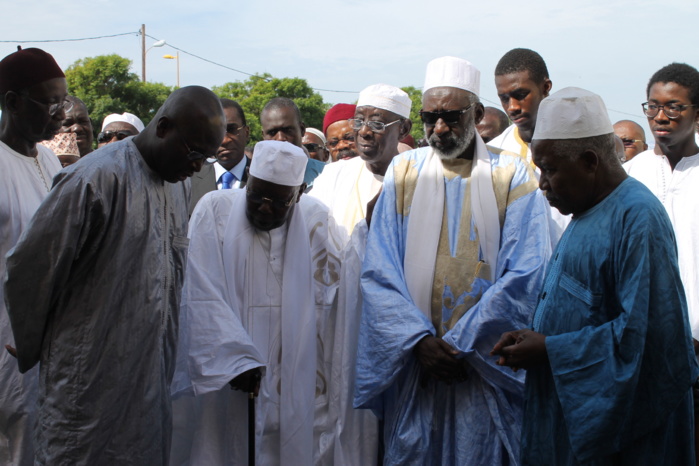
(278, 162)
(318, 133)
(125, 117)
(386, 97)
(452, 72)
(572, 113)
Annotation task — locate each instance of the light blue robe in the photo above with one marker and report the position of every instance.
(476, 422)
(621, 364)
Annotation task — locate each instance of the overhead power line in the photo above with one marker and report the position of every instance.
(68, 40)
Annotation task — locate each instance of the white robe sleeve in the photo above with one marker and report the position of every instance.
(214, 347)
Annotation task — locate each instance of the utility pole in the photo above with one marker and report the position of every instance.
(143, 52)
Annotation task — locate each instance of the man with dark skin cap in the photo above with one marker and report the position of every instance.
(93, 289)
(32, 97)
(339, 133)
(230, 171)
(493, 124)
(78, 121)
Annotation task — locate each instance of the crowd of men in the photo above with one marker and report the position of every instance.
(506, 293)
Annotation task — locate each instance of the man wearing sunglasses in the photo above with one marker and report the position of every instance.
(672, 110)
(261, 282)
(457, 245)
(116, 127)
(230, 170)
(32, 98)
(632, 136)
(93, 289)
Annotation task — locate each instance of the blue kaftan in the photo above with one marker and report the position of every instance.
(617, 389)
(478, 421)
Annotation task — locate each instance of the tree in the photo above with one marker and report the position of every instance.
(107, 86)
(257, 90)
(417, 132)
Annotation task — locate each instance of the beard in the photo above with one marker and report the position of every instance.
(449, 146)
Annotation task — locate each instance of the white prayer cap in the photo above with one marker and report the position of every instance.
(452, 72)
(572, 113)
(386, 97)
(126, 117)
(318, 133)
(278, 162)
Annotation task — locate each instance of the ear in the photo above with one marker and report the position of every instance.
(546, 88)
(590, 161)
(478, 113)
(247, 134)
(11, 101)
(302, 188)
(405, 128)
(163, 126)
(303, 129)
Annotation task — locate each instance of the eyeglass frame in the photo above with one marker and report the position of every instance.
(319, 146)
(198, 156)
(626, 141)
(358, 124)
(123, 134)
(682, 107)
(54, 107)
(443, 112)
(258, 198)
(234, 133)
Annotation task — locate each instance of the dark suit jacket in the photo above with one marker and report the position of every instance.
(205, 181)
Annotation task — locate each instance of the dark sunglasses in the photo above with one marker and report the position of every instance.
(449, 117)
(313, 147)
(106, 136)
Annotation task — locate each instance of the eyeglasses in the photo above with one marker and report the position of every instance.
(313, 147)
(449, 117)
(630, 142)
(106, 136)
(54, 108)
(234, 129)
(334, 142)
(374, 126)
(193, 155)
(257, 198)
(671, 111)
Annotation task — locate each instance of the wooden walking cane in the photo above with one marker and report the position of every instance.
(251, 428)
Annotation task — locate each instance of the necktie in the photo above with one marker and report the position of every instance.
(227, 180)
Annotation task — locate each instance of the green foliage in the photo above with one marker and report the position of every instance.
(107, 86)
(257, 90)
(417, 132)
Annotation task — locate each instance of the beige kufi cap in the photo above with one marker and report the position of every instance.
(278, 162)
(386, 97)
(572, 113)
(452, 72)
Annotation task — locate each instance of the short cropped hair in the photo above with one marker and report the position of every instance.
(679, 73)
(517, 60)
(282, 102)
(228, 103)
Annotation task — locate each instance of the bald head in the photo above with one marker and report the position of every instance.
(632, 136)
(493, 123)
(188, 128)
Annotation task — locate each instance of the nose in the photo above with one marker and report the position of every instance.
(365, 132)
(265, 207)
(197, 164)
(513, 106)
(441, 127)
(281, 136)
(75, 128)
(60, 114)
(543, 182)
(657, 117)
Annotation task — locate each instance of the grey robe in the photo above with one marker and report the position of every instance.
(93, 290)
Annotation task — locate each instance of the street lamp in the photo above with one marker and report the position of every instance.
(144, 51)
(176, 57)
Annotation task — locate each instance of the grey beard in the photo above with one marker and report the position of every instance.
(462, 144)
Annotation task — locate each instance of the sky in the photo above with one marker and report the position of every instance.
(610, 47)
